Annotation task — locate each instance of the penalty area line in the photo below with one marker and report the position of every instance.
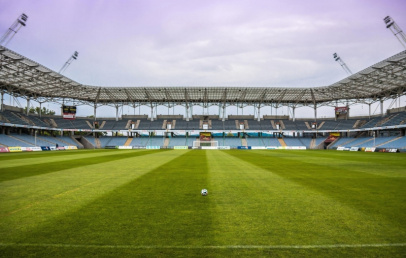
(204, 246)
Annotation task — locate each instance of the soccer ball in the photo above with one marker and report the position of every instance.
(204, 192)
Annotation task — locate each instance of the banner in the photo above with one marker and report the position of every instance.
(244, 147)
(125, 147)
(14, 149)
(208, 147)
(70, 147)
(258, 147)
(271, 147)
(180, 147)
(153, 147)
(31, 149)
(45, 148)
(354, 149)
(370, 149)
(223, 147)
(4, 149)
(343, 148)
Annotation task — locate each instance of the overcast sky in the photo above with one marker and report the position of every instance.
(205, 43)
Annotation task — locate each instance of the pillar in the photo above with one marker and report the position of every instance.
(28, 106)
(382, 108)
(293, 112)
(2, 101)
(117, 112)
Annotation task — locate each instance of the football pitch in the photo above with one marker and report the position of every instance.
(128, 203)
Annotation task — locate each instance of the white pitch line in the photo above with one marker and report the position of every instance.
(207, 246)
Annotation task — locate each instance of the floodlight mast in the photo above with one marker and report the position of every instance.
(73, 57)
(12, 31)
(396, 30)
(341, 62)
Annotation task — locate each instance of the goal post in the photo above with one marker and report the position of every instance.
(198, 143)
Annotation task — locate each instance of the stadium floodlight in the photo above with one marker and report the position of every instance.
(341, 62)
(396, 30)
(73, 57)
(12, 31)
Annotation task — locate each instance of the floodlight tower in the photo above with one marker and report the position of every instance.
(341, 62)
(396, 30)
(12, 31)
(73, 57)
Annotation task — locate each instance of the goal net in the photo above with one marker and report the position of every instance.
(198, 143)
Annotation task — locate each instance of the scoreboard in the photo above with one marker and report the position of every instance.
(69, 112)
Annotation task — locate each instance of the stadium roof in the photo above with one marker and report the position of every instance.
(22, 77)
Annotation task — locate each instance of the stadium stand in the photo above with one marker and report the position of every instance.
(178, 141)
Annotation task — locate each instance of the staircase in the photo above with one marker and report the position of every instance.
(320, 125)
(237, 125)
(53, 123)
(18, 139)
(102, 125)
(89, 124)
(164, 125)
(128, 125)
(137, 124)
(246, 126)
(282, 142)
(166, 142)
(273, 124)
(98, 143)
(128, 141)
(80, 145)
(244, 142)
(313, 143)
(173, 124)
(281, 125)
(397, 138)
(307, 125)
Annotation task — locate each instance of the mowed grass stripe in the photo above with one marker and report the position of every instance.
(12, 173)
(31, 202)
(31, 158)
(370, 163)
(162, 207)
(374, 195)
(255, 206)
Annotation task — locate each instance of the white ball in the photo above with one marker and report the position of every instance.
(204, 192)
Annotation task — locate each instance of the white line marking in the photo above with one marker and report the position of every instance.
(207, 246)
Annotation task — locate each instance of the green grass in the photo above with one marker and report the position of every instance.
(126, 203)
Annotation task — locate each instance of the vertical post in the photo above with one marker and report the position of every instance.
(40, 109)
(28, 105)
(293, 112)
(315, 113)
(2, 101)
(116, 112)
(259, 113)
(152, 112)
(95, 106)
(187, 112)
(382, 108)
(224, 112)
(369, 106)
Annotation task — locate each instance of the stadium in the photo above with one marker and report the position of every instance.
(210, 183)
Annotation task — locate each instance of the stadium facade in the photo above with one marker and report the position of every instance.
(23, 78)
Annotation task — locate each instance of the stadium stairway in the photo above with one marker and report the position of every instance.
(282, 142)
(166, 142)
(98, 143)
(128, 141)
(397, 138)
(244, 142)
(80, 145)
(21, 140)
(313, 144)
